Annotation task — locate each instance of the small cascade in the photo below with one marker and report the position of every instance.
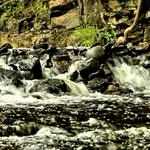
(59, 111)
(135, 77)
(77, 88)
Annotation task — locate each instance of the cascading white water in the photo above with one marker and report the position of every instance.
(93, 131)
(135, 77)
(76, 88)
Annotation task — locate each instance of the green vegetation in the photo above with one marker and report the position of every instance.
(40, 7)
(89, 35)
(107, 35)
(13, 11)
(86, 36)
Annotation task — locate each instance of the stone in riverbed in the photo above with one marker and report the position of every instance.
(142, 48)
(37, 70)
(42, 45)
(98, 84)
(4, 48)
(96, 52)
(10, 74)
(62, 62)
(92, 67)
(112, 88)
(50, 51)
(51, 85)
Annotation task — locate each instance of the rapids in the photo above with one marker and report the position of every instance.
(81, 119)
(135, 77)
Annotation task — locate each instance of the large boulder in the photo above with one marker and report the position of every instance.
(51, 85)
(96, 52)
(64, 14)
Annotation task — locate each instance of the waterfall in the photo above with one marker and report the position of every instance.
(135, 77)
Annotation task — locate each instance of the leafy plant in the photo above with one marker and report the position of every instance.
(14, 7)
(108, 35)
(87, 35)
(40, 7)
(15, 10)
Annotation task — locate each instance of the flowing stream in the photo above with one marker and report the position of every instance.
(81, 119)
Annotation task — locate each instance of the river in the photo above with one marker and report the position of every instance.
(80, 119)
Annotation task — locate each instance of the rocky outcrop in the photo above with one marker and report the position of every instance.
(54, 20)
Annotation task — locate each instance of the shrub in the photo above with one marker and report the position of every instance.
(108, 35)
(86, 36)
(89, 35)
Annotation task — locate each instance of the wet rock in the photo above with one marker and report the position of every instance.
(77, 51)
(21, 129)
(26, 64)
(37, 70)
(74, 76)
(142, 48)
(4, 48)
(20, 57)
(14, 67)
(99, 73)
(10, 74)
(21, 51)
(92, 67)
(27, 75)
(62, 62)
(50, 51)
(98, 84)
(112, 88)
(41, 46)
(17, 82)
(103, 72)
(125, 90)
(96, 52)
(123, 50)
(55, 86)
